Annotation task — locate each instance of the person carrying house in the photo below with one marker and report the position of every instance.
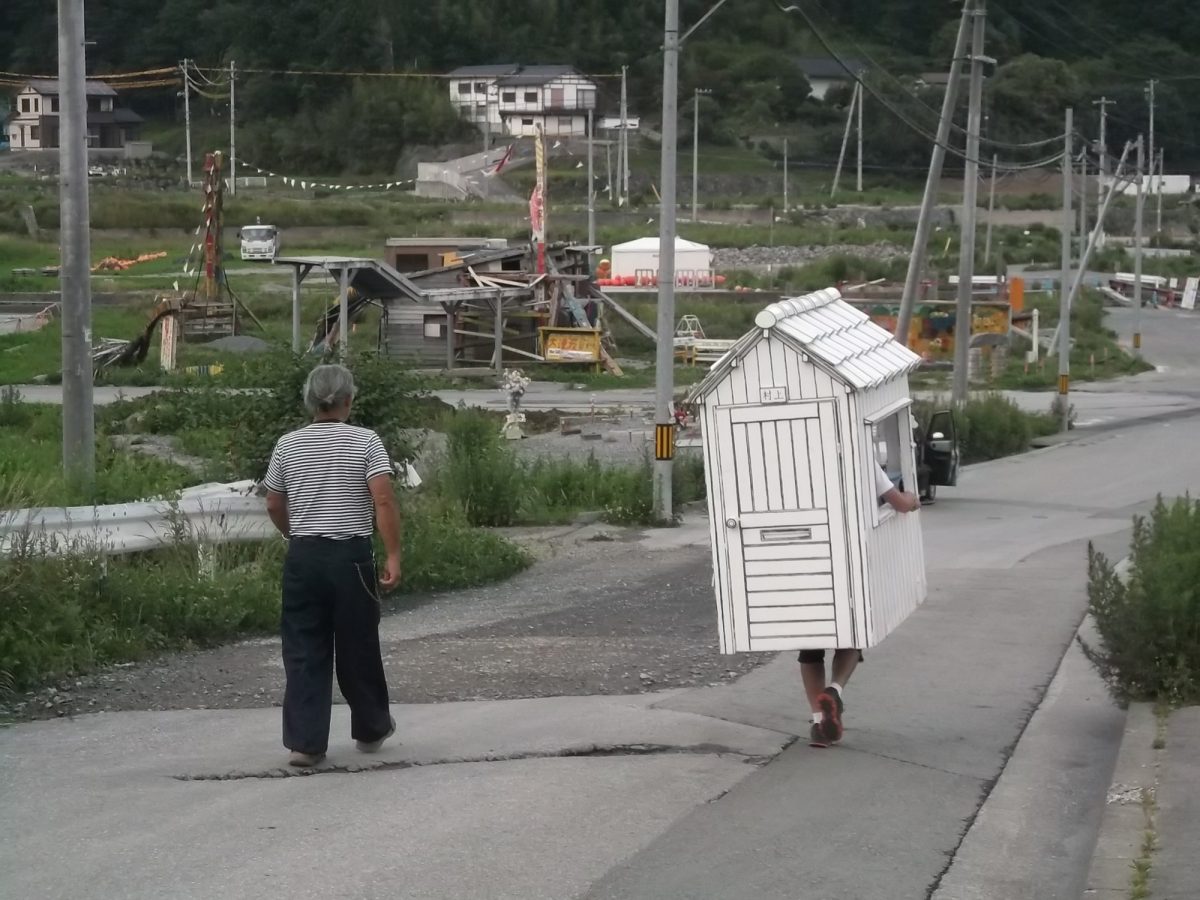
(825, 697)
(328, 488)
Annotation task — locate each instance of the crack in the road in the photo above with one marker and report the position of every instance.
(909, 762)
(590, 750)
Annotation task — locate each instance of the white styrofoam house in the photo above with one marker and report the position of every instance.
(641, 256)
(794, 417)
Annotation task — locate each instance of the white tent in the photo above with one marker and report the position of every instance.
(641, 255)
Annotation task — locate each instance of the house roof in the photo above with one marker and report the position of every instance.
(534, 75)
(494, 71)
(828, 67)
(840, 338)
(50, 86)
(652, 243)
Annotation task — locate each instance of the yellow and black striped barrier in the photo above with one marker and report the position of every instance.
(664, 441)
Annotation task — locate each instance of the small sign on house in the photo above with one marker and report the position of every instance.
(797, 418)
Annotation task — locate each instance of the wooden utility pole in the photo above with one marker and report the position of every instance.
(1064, 305)
(916, 259)
(78, 415)
(966, 253)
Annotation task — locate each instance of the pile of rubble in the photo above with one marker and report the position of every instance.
(751, 258)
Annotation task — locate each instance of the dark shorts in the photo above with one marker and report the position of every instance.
(818, 656)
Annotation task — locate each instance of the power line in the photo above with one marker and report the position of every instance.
(440, 76)
(1029, 145)
(1009, 167)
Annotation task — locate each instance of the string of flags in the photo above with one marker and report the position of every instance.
(305, 184)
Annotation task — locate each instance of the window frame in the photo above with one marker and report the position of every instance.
(901, 412)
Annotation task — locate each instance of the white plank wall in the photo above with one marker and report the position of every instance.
(802, 506)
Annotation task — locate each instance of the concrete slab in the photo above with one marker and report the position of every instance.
(1034, 835)
(522, 830)
(1122, 824)
(245, 743)
(196, 803)
(1175, 874)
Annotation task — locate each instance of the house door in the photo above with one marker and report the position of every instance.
(787, 564)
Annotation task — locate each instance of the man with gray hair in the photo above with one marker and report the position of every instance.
(328, 487)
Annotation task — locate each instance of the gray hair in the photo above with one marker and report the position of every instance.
(327, 388)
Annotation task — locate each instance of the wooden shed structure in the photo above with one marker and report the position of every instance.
(795, 417)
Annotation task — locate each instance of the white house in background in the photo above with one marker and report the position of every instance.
(515, 100)
(640, 257)
(33, 124)
(826, 73)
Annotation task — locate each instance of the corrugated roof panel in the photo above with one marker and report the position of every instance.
(833, 332)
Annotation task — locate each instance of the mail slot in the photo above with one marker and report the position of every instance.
(784, 535)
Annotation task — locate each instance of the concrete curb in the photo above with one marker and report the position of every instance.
(1124, 824)
(1075, 434)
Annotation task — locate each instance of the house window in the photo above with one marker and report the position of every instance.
(106, 104)
(587, 98)
(53, 104)
(889, 443)
(565, 124)
(464, 87)
(481, 87)
(35, 133)
(435, 326)
(531, 97)
(25, 105)
(527, 122)
(509, 97)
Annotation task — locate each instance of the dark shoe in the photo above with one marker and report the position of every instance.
(373, 746)
(831, 706)
(305, 760)
(817, 738)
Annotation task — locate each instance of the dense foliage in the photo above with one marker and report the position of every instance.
(1051, 53)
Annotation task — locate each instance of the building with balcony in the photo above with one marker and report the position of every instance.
(515, 100)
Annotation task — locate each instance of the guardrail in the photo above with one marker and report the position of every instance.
(210, 513)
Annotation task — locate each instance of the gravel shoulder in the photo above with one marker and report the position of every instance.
(600, 612)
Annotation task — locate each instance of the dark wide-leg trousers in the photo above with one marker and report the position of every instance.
(331, 618)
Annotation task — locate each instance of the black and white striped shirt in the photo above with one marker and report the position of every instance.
(323, 469)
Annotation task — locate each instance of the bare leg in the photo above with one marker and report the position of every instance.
(844, 664)
(813, 676)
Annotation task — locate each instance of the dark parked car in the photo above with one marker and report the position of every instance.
(937, 454)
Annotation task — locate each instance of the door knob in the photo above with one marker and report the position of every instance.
(731, 523)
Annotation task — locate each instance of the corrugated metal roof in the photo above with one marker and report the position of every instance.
(836, 335)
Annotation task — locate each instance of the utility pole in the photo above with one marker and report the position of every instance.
(695, 152)
(1064, 305)
(987, 244)
(664, 423)
(785, 177)
(1104, 103)
(916, 259)
(78, 422)
(233, 136)
(860, 134)
(1137, 252)
(837, 175)
(623, 147)
(187, 119)
(1151, 156)
(591, 190)
(1158, 218)
(966, 253)
(1083, 229)
(608, 166)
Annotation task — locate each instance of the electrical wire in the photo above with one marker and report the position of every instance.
(442, 76)
(1009, 145)
(1010, 167)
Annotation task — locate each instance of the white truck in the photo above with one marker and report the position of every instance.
(259, 241)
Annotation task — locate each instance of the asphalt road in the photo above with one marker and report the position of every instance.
(978, 750)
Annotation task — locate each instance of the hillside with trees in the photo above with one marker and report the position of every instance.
(1050, 53)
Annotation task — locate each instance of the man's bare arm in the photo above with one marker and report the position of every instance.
(277, 510)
